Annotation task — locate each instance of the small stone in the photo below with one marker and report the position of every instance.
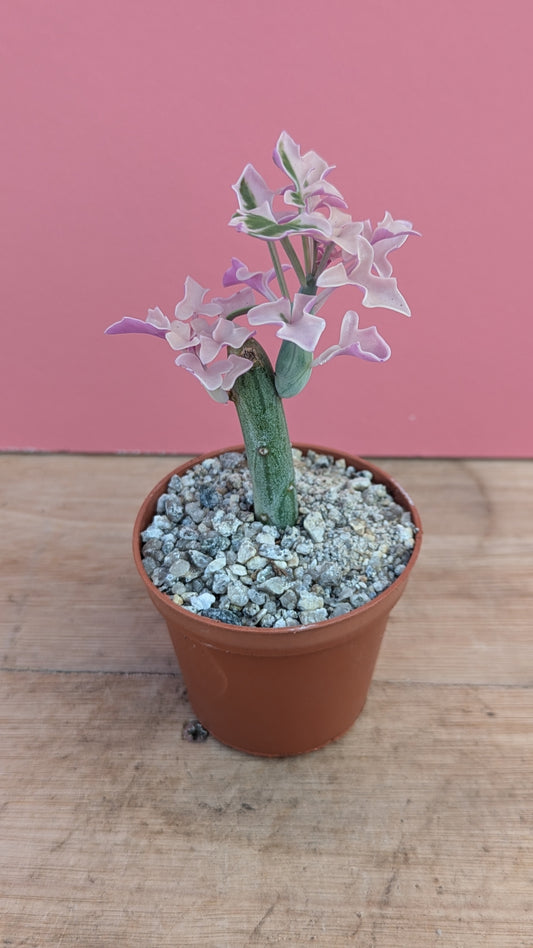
(220, 583)
(214, 544)
(277, 585)
(209, 497)
(203, 601)
(246, 551)
(151, 547)
(221, 615)
(168, 543)
(195, 512)
(379, 585)
(272, 552)
(224, 523)
(405, 535)
(160, 576)
(256, 562)
(317, 615)
(230, 460)
(179, 568)
(149, 564)
(361, 483)
(359, 599)
(309, 601)
(201, 560)
(267, 536)
(304, 547)
(289, 599)
(187, 536)
(194, 732)
(251, 610)
(340, 609)
(237, 594)
(151, 533)
(173, 508)
(258, 598)
(215, 565)
(330, 574)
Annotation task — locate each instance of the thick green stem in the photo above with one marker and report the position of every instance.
(266, 439)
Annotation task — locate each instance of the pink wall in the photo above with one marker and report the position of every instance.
(126, 121)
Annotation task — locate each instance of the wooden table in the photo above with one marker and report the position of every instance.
(412, 831)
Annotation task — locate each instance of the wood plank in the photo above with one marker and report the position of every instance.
(72, 599)
(413, 830)
(467, 614)
(72, 596)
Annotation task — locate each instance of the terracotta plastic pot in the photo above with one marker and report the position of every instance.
(278, 692)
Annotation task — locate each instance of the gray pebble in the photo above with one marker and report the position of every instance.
(246, 551)
(220, 583)
(308, 601)
(316, 615)
(237, 594)
(276, 585)
(202, 602)
(315, 526)
(221, 615)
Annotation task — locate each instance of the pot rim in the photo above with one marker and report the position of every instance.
(311, 637)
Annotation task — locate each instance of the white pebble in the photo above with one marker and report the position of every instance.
(204, 601)
(315, 526)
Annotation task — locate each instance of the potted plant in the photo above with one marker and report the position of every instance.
(275, 567)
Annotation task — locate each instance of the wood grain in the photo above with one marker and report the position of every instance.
(414, 830)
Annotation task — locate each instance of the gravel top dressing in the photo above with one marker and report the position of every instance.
(207, 552)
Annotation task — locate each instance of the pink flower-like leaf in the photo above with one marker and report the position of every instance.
(252, 190)
(297, 323)
(211, 338)
(387, 236)
(356, 270)
(219, 377)
(155, 324)
(344, 231)
(308, 173)
(364, 343)
(181, 335)
(262, 222)
(277, 311)
(242, 299)
(193, 304)
(257, 280)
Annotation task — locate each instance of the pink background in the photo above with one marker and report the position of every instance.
(125, 122)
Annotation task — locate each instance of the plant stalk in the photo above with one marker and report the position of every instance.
(266, 439)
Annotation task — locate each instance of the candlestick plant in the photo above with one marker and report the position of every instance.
(314, 245)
